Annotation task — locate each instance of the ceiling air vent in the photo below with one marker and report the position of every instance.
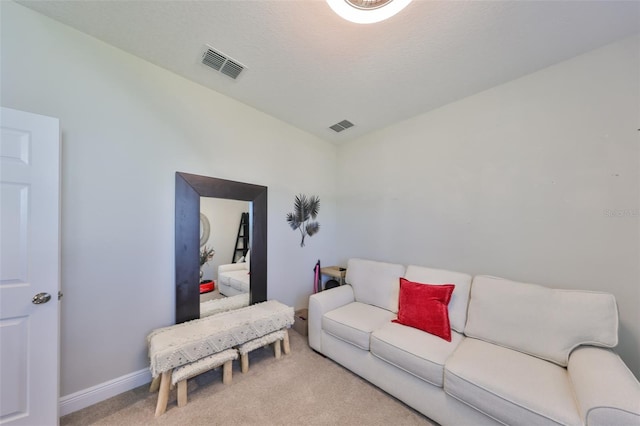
(343, 125)
(220, 62)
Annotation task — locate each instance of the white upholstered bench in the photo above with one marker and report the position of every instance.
(187, 343)
(181, 374)
(275, 338)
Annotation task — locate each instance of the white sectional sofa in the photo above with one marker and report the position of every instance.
(520, 354)
(234, 278)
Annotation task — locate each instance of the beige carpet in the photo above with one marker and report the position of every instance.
(302, 388)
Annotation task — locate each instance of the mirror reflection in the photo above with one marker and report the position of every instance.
(225, 256)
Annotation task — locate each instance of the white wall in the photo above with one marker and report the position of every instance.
(534, 180)
(224, 219)
(127, 127)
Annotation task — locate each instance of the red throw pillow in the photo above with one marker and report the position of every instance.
(424, 306)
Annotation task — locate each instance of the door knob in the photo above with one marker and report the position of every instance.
(41, 298)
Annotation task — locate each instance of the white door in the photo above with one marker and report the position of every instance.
(29, 265)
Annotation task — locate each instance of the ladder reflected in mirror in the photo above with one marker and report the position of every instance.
(242, 240)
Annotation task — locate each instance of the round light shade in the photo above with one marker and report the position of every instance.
(367, 11)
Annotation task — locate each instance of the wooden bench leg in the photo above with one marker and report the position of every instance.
(182, 393)
(155, 384)
(285, 343)
(163, 395)
(227, 372)
(244, 362)
(276, 348)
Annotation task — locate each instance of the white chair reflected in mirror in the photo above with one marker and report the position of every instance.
(235, 278)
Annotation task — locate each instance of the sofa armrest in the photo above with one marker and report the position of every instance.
(232, 267)
(606, 391)
(320, 304)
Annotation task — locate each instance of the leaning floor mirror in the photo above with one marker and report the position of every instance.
(189, 190)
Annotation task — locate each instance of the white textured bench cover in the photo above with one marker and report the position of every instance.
(205, 364)
(181, 344)
(251, 345)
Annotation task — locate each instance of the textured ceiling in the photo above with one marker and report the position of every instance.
(308, 67)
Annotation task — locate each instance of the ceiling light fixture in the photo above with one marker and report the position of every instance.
(367, 11)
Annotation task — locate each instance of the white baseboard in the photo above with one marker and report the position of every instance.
(86, 397)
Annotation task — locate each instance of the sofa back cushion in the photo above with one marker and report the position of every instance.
(375, 283)
(460, 296)
(543, 322)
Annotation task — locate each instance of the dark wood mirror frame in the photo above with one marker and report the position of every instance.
(189, 189)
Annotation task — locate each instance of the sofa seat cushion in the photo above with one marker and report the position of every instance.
(414, 351)
(512, 387)
(354, 322)
(237, 279)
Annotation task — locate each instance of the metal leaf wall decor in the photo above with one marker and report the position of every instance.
(305, 211)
